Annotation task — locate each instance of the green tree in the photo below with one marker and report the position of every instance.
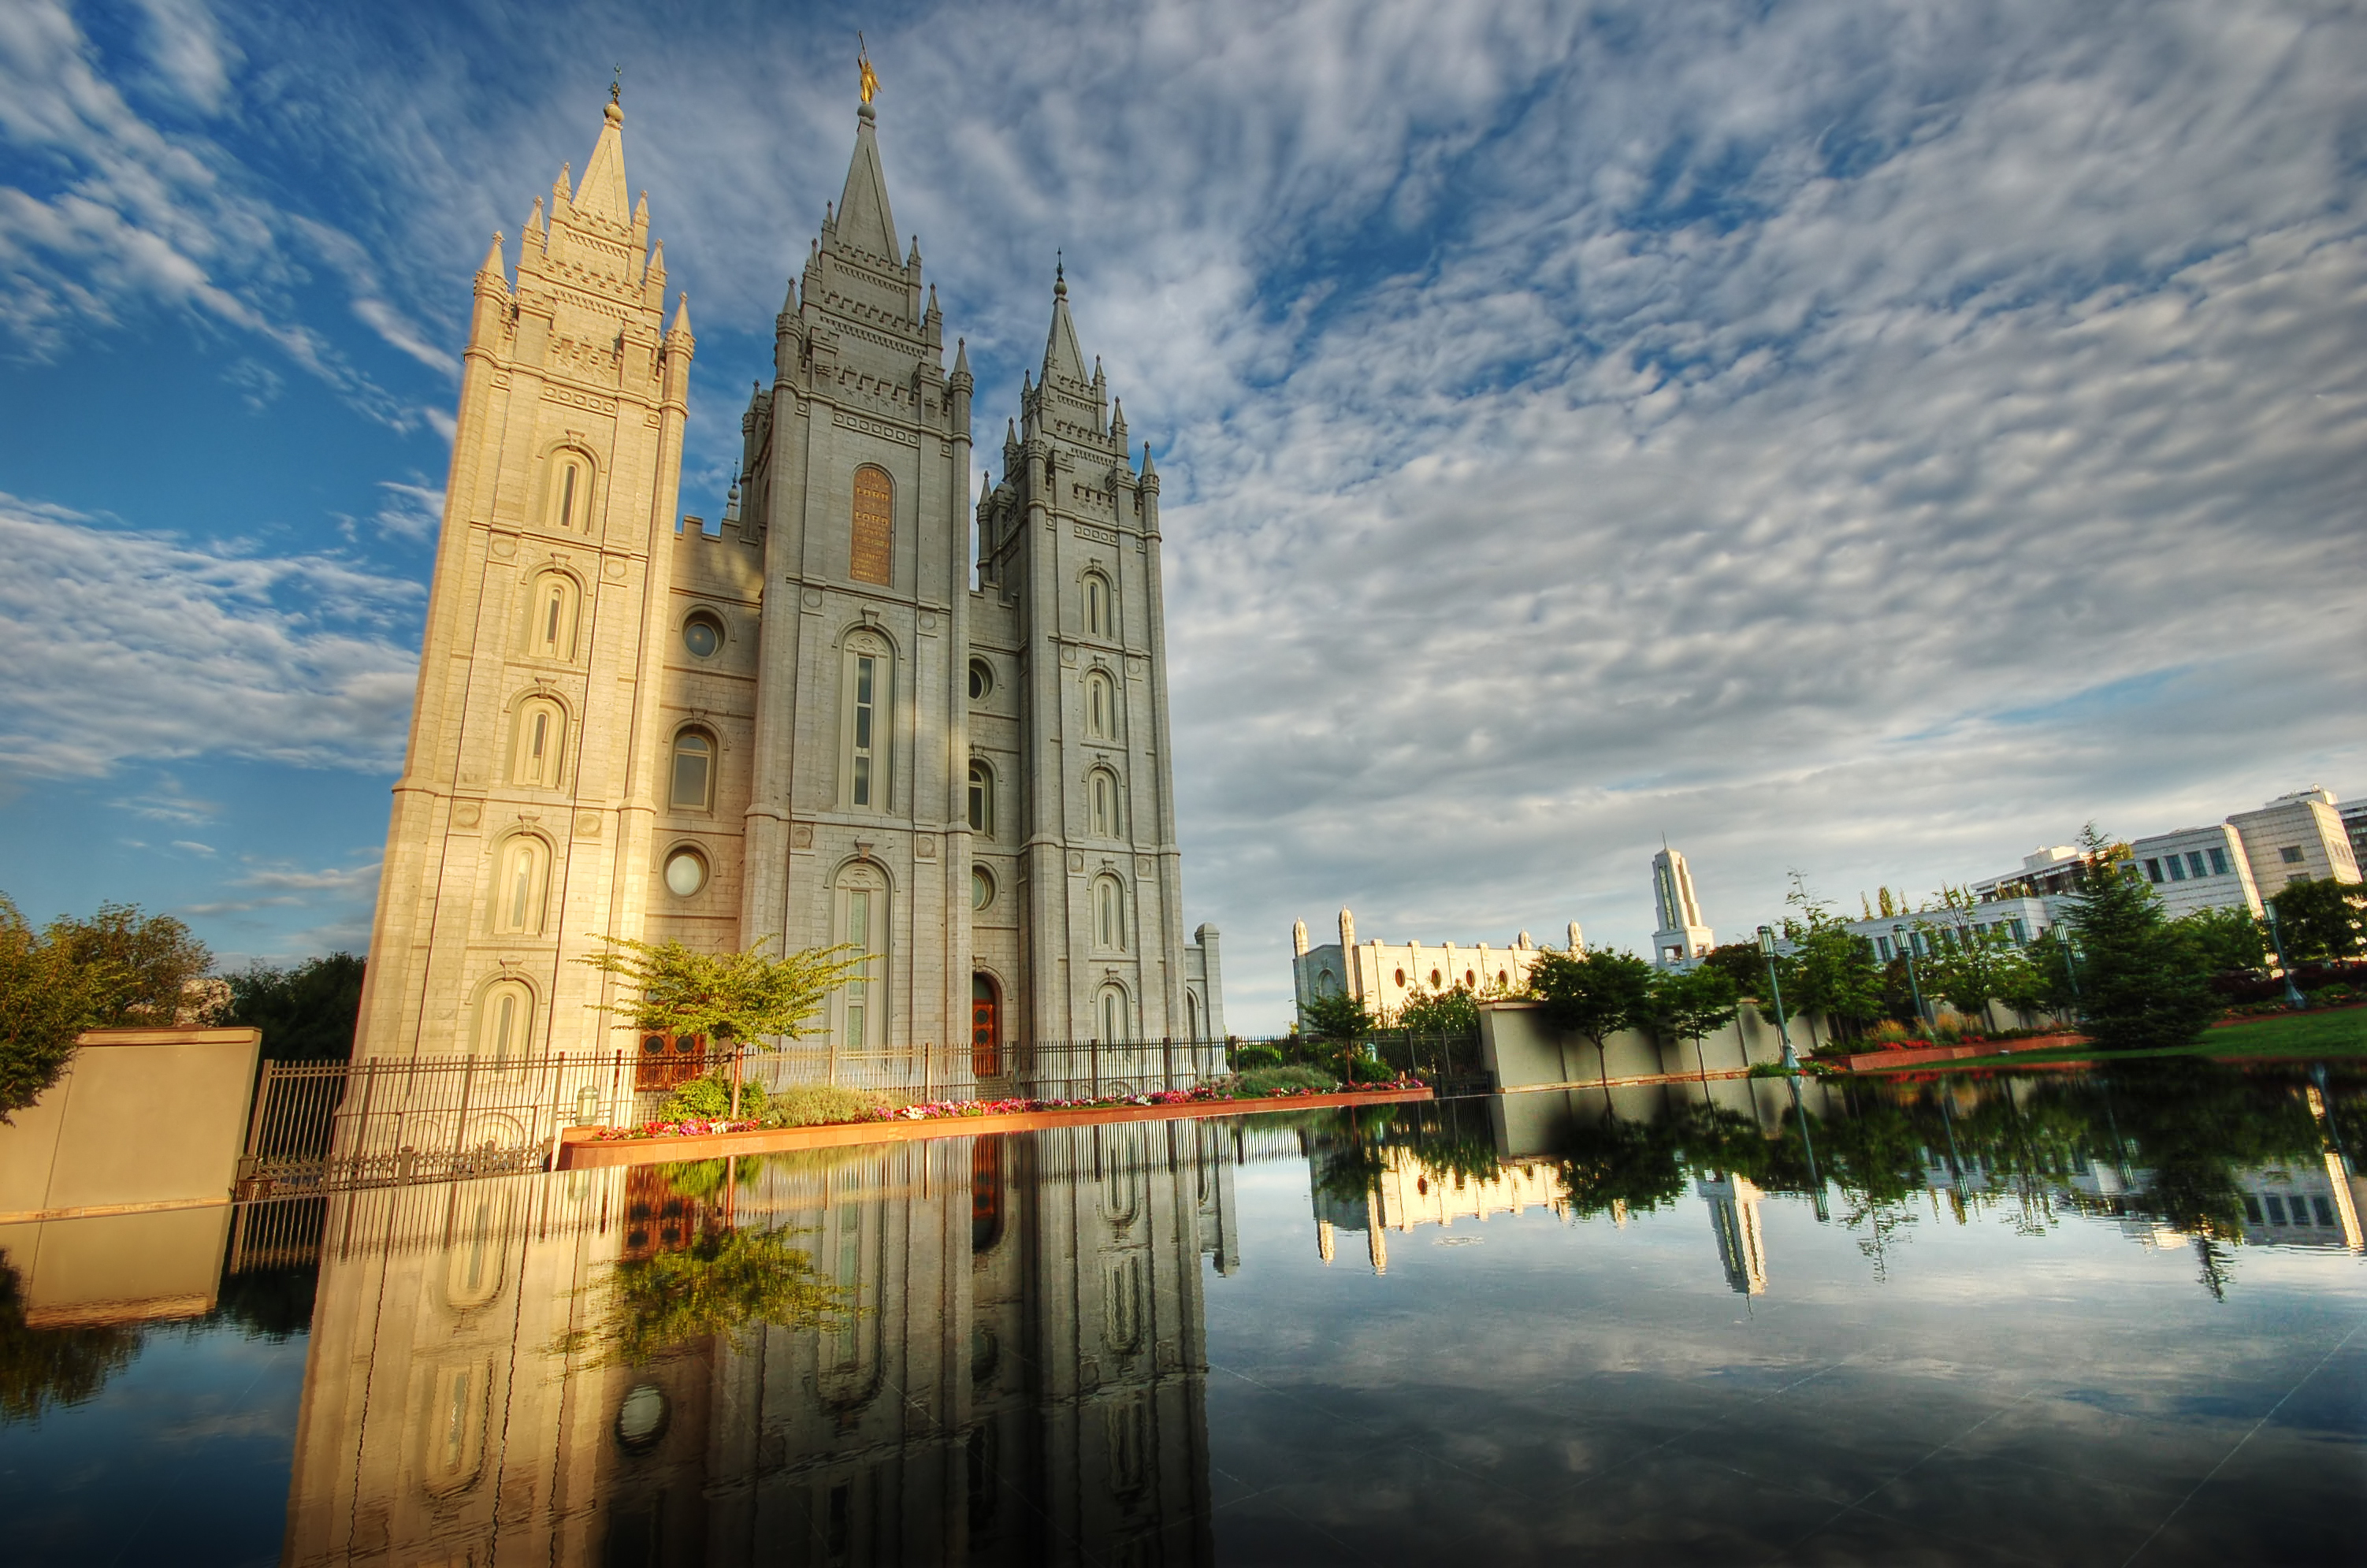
(1741, 963)
(1595, 994)
(1832, 968)
(1970, 969)
(745, 998)
(1689, 1004)
(2049, 980)
(2133, 990)
(1336, 1015)
(46, 1000)
(154, 957)
(306, 1012)
(1454, 1012)
(2321, 918)
(2221, 942)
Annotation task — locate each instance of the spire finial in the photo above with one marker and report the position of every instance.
(1060, 276)
(617, 87)
(869, 78)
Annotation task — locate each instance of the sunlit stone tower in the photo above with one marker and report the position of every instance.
(1682, 935)
(527, 811)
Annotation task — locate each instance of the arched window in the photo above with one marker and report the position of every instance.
(861, 922)
(1101, 609)
(985, 1028)
(539, 747)
(550, 625)
(871, 540)
(1109, 914)
(571, 491)
(1105, 805)
(520, 879)
(981, 800)
(694, 771)
(866, 692)
(1191, 1015)
(1101, 706)
(504, 1021)
(1112, 1013)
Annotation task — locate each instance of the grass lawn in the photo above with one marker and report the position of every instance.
(2335, 1032)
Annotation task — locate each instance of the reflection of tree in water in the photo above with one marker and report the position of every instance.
(721, 1282)
(42, 1367)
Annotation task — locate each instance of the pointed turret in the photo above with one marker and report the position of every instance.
(604, 194)
(681, 327)
(961, 357)
(562, 190)
(1061, 354)
(495, 269)
(533, 242)
(864, 218)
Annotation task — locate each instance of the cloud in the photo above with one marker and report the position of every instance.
(124, 644)
(412, 511)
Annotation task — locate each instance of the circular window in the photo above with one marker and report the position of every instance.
(981, 887)
(702, 635)
(982, 679)
(641, 1419)
(685, 872)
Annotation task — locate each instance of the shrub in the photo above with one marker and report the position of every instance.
(1280, 1080)
(817, 1105)
(1250, 1056)
(1362, 1069)
(1891, 1033)
(710, 1099)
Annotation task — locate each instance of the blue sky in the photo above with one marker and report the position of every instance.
(1865, 439)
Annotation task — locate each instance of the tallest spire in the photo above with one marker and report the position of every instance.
(865, 220)
(603, 191)
(1061, 354)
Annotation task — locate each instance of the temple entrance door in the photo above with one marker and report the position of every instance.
(985, 1028)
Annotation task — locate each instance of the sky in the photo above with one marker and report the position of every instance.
(1861, 440)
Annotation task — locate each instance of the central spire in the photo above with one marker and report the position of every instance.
(865, 219)
(1061, 354)
(603, 192)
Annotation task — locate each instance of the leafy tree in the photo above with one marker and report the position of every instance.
(1973, 969)
(46, 1000)
(2134, 991)
(1741, 963)
(2321, 918)
(1336, 1015)
(1454, 1012)
(1832, 968)
(2049, 980)
(745, 998)
(1595, 994)
(1689, 1004)
(307, 1012)
(1636, 1165)
(154, 957)
(2221, 942)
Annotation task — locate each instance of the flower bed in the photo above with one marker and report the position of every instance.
(929, 1110)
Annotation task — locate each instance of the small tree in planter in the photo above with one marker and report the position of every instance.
(1339, 1022)
(1595, 994)
(745, 998)
(1689, 1004)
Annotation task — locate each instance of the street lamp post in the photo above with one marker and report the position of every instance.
(1782, 1029)
(1914, 986)
(2293, 998)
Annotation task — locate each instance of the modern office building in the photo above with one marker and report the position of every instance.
(2296, 836)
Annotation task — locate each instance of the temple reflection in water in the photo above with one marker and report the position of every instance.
(1023, 1379)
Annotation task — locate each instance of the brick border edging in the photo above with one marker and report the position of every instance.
(582, 1149)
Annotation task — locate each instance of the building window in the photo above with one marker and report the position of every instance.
(1106, 806)
(703, 635)
(504, 1021)
(873, 536)
(862, 925)
(981, 800)
(571, 493)
(2153, 870)
(552, 627)
(2177, 867)
(523, 874)
(981, 887)
(2290, 853)
(1101, 707)
(981, 680)
(985, 1041)
(2218, 862)
(1109, 916)
(1400, 977)
(685, 872)
(1113, 1013)
(866, 692)
(2194, 864)
(540, 743)
(694, 771)
(1101, 614)
(1192, 1014)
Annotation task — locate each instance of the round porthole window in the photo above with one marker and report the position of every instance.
(703, 635)
(981, 887)
(982, 679)
(685, 872)
(641, 1419)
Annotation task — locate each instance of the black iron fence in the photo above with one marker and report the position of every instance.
(320, 1127)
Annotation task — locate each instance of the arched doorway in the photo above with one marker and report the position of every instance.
(985, 1028)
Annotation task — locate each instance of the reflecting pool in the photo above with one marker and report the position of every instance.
(2048, 1316)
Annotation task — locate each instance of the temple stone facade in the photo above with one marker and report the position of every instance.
(808, 726)
(1386, 975)
(1684, 936)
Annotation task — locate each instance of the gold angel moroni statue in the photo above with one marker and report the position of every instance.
(863, 64)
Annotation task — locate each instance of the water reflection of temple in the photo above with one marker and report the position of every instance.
(1024, 1381)
(1405, 1192)
(1734, 1215)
